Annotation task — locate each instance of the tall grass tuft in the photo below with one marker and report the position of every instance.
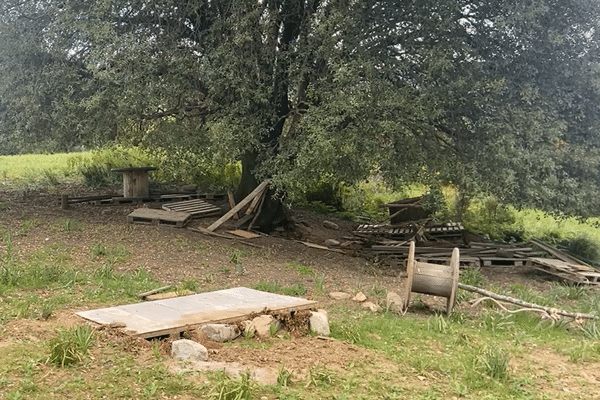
(71, 345)
(493, 362)
(234, 389)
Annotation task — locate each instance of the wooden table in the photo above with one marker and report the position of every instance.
(135, 181)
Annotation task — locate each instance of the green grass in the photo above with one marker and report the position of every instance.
(40, 167)
(300, 268)
(296, 289)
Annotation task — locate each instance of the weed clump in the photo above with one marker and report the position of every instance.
(71, 345)
(494, 362)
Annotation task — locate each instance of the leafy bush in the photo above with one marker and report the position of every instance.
(488, 216)
(582, 246)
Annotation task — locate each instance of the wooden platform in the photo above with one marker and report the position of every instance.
(158, 217)
(194, 207)
(169, 316)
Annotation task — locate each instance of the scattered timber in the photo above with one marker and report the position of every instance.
(256, 192)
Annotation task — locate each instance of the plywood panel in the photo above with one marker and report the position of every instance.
(162, 317)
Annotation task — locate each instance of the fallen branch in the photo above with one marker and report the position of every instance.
(549, 310)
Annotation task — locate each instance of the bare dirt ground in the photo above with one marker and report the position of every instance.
(175, 254)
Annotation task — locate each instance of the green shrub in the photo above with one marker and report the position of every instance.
(582, 246)
(492, 218)
(96, 175)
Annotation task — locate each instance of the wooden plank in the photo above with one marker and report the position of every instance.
(231, 200)
(557, 253)
(244, 220)
(168, 295)
(244, 234)
(256, 201)
(238, 206)
(318, 246)
(259, 209)
(154, 291)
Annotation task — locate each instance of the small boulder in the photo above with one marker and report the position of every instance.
(394, 302)
(331, 225)
(332, 243)
(318, 323)
(359, 297)
(185, 349)
(339, 295)
(371, 306)
(219, 332)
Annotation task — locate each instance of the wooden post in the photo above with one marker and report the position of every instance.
(64, 202)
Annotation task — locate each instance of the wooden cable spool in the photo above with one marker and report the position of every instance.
(433, 279)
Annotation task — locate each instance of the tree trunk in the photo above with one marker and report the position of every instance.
(273, 212)
(292, 15)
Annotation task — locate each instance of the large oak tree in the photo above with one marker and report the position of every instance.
(497, 97)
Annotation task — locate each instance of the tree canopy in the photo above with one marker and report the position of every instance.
(496, 97)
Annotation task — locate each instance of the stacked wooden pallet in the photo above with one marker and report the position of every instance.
(475, 254)
(449, 231)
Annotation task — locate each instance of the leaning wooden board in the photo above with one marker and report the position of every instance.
(158, 217)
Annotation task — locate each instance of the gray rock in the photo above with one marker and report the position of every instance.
(219, 332)
(185, 349)
(332, 243)
(339, 295)
(331, 225)
(394, 302)
(318, 323)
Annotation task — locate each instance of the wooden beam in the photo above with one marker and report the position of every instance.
(232, 203)
(239, 206)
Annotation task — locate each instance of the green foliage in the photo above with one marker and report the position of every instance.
(494, 362)
(489, 216)
(234, 389)
(70, 225)
(296, 289)
(71, 345)
(319, 285)
(319, 376)
(284, 376)
(584, 247)
(300, 268)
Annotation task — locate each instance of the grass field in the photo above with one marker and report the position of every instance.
(40, 168)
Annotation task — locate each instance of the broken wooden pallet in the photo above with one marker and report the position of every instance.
(158, 217)
(195, 207)
(571, 272)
